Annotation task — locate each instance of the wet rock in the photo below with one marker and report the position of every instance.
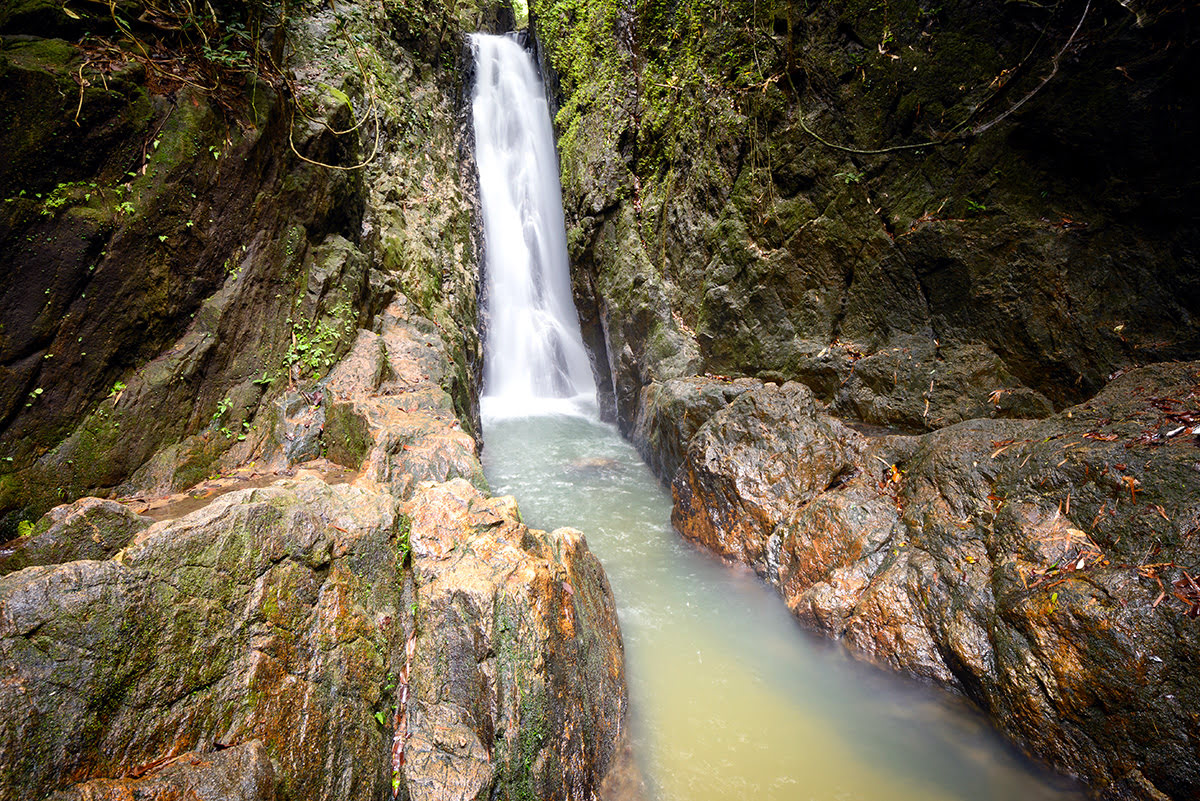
(769, 451)
(241, 773)
(517, 684)
(89, 528)
(671, 412)
(300, 423)
(271, 614)
(289, 613)
(286, 614)
(389, 414)
(1043, 568)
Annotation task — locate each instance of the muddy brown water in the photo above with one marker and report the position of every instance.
(731, 698)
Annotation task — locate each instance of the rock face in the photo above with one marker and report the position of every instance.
(908, 208)
(241, 773)
(253, 618)
(1046, 569)
(278, 285)
(183, 261)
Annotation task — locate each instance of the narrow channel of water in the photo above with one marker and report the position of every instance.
(731, 698)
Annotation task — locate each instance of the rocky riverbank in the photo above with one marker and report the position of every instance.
(398, 634)
(1047, 569)
(241, 308)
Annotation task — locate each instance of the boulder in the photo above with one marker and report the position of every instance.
(288, 615)
(241, 773)
(768, 452)
(89, 528)
(517, 683)
(270, 614)
(670, 413)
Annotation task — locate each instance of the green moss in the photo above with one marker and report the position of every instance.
(517, 658)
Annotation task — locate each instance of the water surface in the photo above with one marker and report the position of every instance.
(731, 698)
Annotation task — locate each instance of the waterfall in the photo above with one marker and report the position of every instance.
(534, 358)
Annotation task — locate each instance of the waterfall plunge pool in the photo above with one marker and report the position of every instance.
(730, 697)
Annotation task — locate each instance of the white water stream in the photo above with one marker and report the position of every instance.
(533, 354)
(730, 698)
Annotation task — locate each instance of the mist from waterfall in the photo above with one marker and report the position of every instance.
(534, 358)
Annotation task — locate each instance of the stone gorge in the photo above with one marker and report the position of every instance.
(899, 298)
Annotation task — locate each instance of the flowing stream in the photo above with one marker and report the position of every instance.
(731, 699)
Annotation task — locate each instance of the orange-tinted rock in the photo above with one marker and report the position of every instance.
(768, 452)
(518, 679)
(1040, 567)
(287, 615)
(242, 773)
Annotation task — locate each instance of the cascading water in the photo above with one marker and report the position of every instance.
(533, 350)
(730, 699)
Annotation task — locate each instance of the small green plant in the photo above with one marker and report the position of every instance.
(223, 405)
(24, 528)
(403, 544)
(978, 208)
(314, 349)
(33, 396)
(59, 197)
(849, 177)
(117, 389)
(125, 207)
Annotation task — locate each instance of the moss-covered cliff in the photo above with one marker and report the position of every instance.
(926, 212)
(193, 227)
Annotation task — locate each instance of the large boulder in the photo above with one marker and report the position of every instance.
(241, 773)
(288, 615)
(768, 452)
(271, 614)
(89, 528)
(518, 686)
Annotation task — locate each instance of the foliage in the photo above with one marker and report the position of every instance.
(429, 27)
(314, 346)
(403, 543)
(211, 46)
